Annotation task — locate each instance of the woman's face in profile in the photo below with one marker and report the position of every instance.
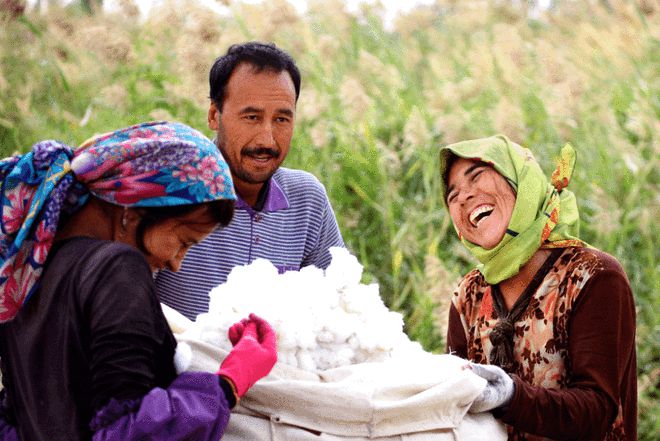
(168, 242)
(480, 202)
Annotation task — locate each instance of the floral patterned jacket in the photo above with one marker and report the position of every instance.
(574, 350)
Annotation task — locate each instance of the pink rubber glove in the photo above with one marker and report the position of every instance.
(253, 356)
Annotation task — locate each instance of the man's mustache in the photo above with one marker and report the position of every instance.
(259, 151)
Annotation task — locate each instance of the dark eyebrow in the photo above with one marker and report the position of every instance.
(251, 109)
(287, 112)
(474, 167)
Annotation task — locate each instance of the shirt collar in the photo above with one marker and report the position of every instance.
(275, 199)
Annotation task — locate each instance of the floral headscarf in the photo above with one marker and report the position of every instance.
(147, 165)
(545, 214)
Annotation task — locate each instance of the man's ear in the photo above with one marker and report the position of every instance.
(213, 117)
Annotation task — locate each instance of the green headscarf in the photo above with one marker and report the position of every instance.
(544, 216)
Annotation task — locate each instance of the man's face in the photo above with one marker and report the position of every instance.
(255, 127)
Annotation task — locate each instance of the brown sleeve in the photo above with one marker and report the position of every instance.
(601, 353)
(456, 338)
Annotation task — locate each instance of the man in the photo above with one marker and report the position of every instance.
(282, 215)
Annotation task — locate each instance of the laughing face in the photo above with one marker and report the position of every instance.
(480, 202)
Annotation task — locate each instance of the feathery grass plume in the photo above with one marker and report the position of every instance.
(384, 78)
(161, 115)
(420, 19)
(480, 58)
(508, 118)
(11, 9)
(415, 134)
(331, 16)
(470, 15)
(452, 126)
(440, 68)
(4, 84)
(328, 47)
(606, 217)
(129, 8)
(551, 62)
(319, 134)
(114, 96)
(202, 25)
(311, 105)
(107, 43)
(390, 159)
(357, 104)
(509, 53)
(440, 284)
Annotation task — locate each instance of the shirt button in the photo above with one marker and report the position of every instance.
(256, 239)
(258, 218)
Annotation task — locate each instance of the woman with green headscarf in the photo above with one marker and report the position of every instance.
(546, 319)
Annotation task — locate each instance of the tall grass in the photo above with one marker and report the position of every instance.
(375, 106)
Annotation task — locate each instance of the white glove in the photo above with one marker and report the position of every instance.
(498, 391)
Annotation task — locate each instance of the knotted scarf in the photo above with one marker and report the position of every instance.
(501, 337)
(545, 214)
(147, 165)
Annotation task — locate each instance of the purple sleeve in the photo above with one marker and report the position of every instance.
(193, 407)
(7, 431)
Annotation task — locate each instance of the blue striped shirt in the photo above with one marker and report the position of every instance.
(294, 229)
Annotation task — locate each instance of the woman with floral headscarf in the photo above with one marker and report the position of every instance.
(85, 349)
(548, 321)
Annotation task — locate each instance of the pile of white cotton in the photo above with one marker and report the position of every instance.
(323, 319)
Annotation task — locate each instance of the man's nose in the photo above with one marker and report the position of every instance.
(265, 136)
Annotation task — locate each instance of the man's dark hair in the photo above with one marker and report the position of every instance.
(260, 55)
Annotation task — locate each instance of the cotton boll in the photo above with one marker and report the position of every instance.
(345, 356)
(182, 357)
(325, 336)
(342, 325)
(285, 339)
(214, 337)
(287, 357)
(305, 360)
(362, 299)
(306, 340)
(353, 342)
(344, 270)
(329, 359)
(323, 319)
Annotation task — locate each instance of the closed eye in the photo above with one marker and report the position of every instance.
(476, 174)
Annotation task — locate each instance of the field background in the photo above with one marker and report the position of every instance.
(376, 104)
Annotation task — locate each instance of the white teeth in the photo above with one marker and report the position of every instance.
(480, 210)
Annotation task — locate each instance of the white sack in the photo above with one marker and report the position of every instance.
(419, 397)
(346, 371)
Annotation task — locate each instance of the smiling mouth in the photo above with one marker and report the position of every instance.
(260, 158)
(261, 154)
(480, 213)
